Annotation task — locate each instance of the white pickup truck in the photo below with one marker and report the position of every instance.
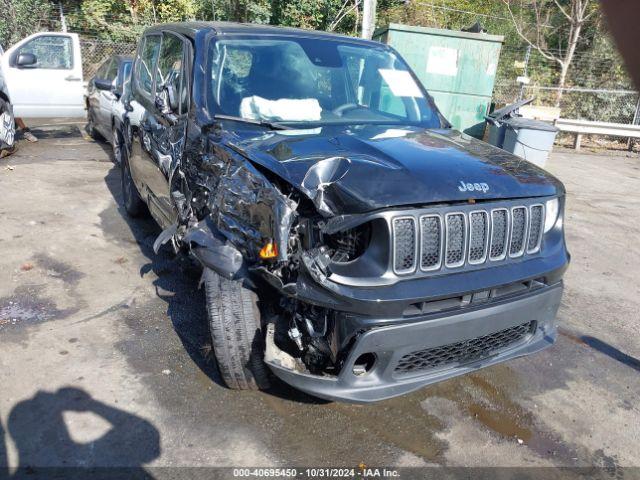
(40, 77)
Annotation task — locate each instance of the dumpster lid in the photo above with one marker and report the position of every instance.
(527, 123)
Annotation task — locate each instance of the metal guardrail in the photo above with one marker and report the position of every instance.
(586, 127)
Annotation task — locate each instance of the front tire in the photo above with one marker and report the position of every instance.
(117, 144)
(236, 332)
(7, 128)
(133, 204)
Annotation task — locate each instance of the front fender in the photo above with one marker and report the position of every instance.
(214, 251)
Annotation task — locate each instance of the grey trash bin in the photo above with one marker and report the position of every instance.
(497, 131)
(496, 121)
(529, 139)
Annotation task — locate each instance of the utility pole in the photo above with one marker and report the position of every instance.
(63, 21)
(368, 18)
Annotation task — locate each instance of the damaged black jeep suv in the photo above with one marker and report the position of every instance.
(352, 243)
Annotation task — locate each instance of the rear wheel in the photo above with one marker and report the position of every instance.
(236, 332)
(133, 204)
(7, 128)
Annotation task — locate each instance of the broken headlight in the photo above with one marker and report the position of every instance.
(347, 245)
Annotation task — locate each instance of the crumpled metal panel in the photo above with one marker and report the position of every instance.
(318, 180)
(245, 206)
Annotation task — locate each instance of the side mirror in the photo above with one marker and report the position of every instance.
(102, 84)
(26, 60)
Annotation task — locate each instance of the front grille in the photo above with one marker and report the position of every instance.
(431, 244)
(404, 235)
(499, 233)
(478, 235)
(536, 214)
(451, 240)
(454, 256)
(464, 352)
(518, 231)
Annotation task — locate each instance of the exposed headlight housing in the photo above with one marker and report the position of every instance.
(551, 208)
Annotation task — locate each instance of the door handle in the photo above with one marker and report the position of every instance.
(71, 78)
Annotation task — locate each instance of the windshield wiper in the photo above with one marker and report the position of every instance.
(261, 123)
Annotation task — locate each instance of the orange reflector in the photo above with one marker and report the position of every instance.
(270, 250)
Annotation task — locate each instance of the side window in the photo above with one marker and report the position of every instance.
(101, 72)
(51, 51)
(125, 74)
(112, 71)
(171, 70)
(145, 62)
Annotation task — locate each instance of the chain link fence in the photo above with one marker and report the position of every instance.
(602, 105)
(593, 93)
(95, 52)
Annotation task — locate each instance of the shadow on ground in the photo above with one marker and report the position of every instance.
(47, 447)
(612, 352)
(54, 131)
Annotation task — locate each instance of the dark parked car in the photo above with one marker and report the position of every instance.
(104, 92)
(350, 240)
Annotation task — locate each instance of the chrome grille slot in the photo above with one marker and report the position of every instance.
(478, 236)
(456, 239)
(404, 245)
(430, 242)
(499, 233)
(536, 222)
(518, 231)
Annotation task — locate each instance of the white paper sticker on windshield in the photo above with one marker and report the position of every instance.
(442, 61)
(401, 83)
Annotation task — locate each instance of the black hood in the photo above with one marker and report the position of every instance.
(361, 169)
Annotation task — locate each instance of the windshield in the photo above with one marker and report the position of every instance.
(314, 81)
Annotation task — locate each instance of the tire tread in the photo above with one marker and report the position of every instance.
(236, 332)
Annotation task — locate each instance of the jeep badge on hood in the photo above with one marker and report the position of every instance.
(473, 187)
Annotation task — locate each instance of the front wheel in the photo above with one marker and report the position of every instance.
(236, 332)
(117, 144)
(7, 128)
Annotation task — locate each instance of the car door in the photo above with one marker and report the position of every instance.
(167, 129)
(94, 95)
(142, 104)
(52, 87)
(106, 100)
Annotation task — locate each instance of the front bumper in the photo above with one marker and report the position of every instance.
(390, 343)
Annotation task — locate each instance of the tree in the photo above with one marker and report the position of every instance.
(560, 21)
(19, 18)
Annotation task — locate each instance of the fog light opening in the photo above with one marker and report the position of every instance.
(364, 364)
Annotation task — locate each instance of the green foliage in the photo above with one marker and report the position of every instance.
(596, 63)
(19, 18)
(314, 15)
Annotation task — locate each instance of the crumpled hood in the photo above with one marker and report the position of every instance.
(369, 168)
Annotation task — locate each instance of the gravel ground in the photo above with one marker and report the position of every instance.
(105, 359)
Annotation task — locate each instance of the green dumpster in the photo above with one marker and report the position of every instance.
(457, 68)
